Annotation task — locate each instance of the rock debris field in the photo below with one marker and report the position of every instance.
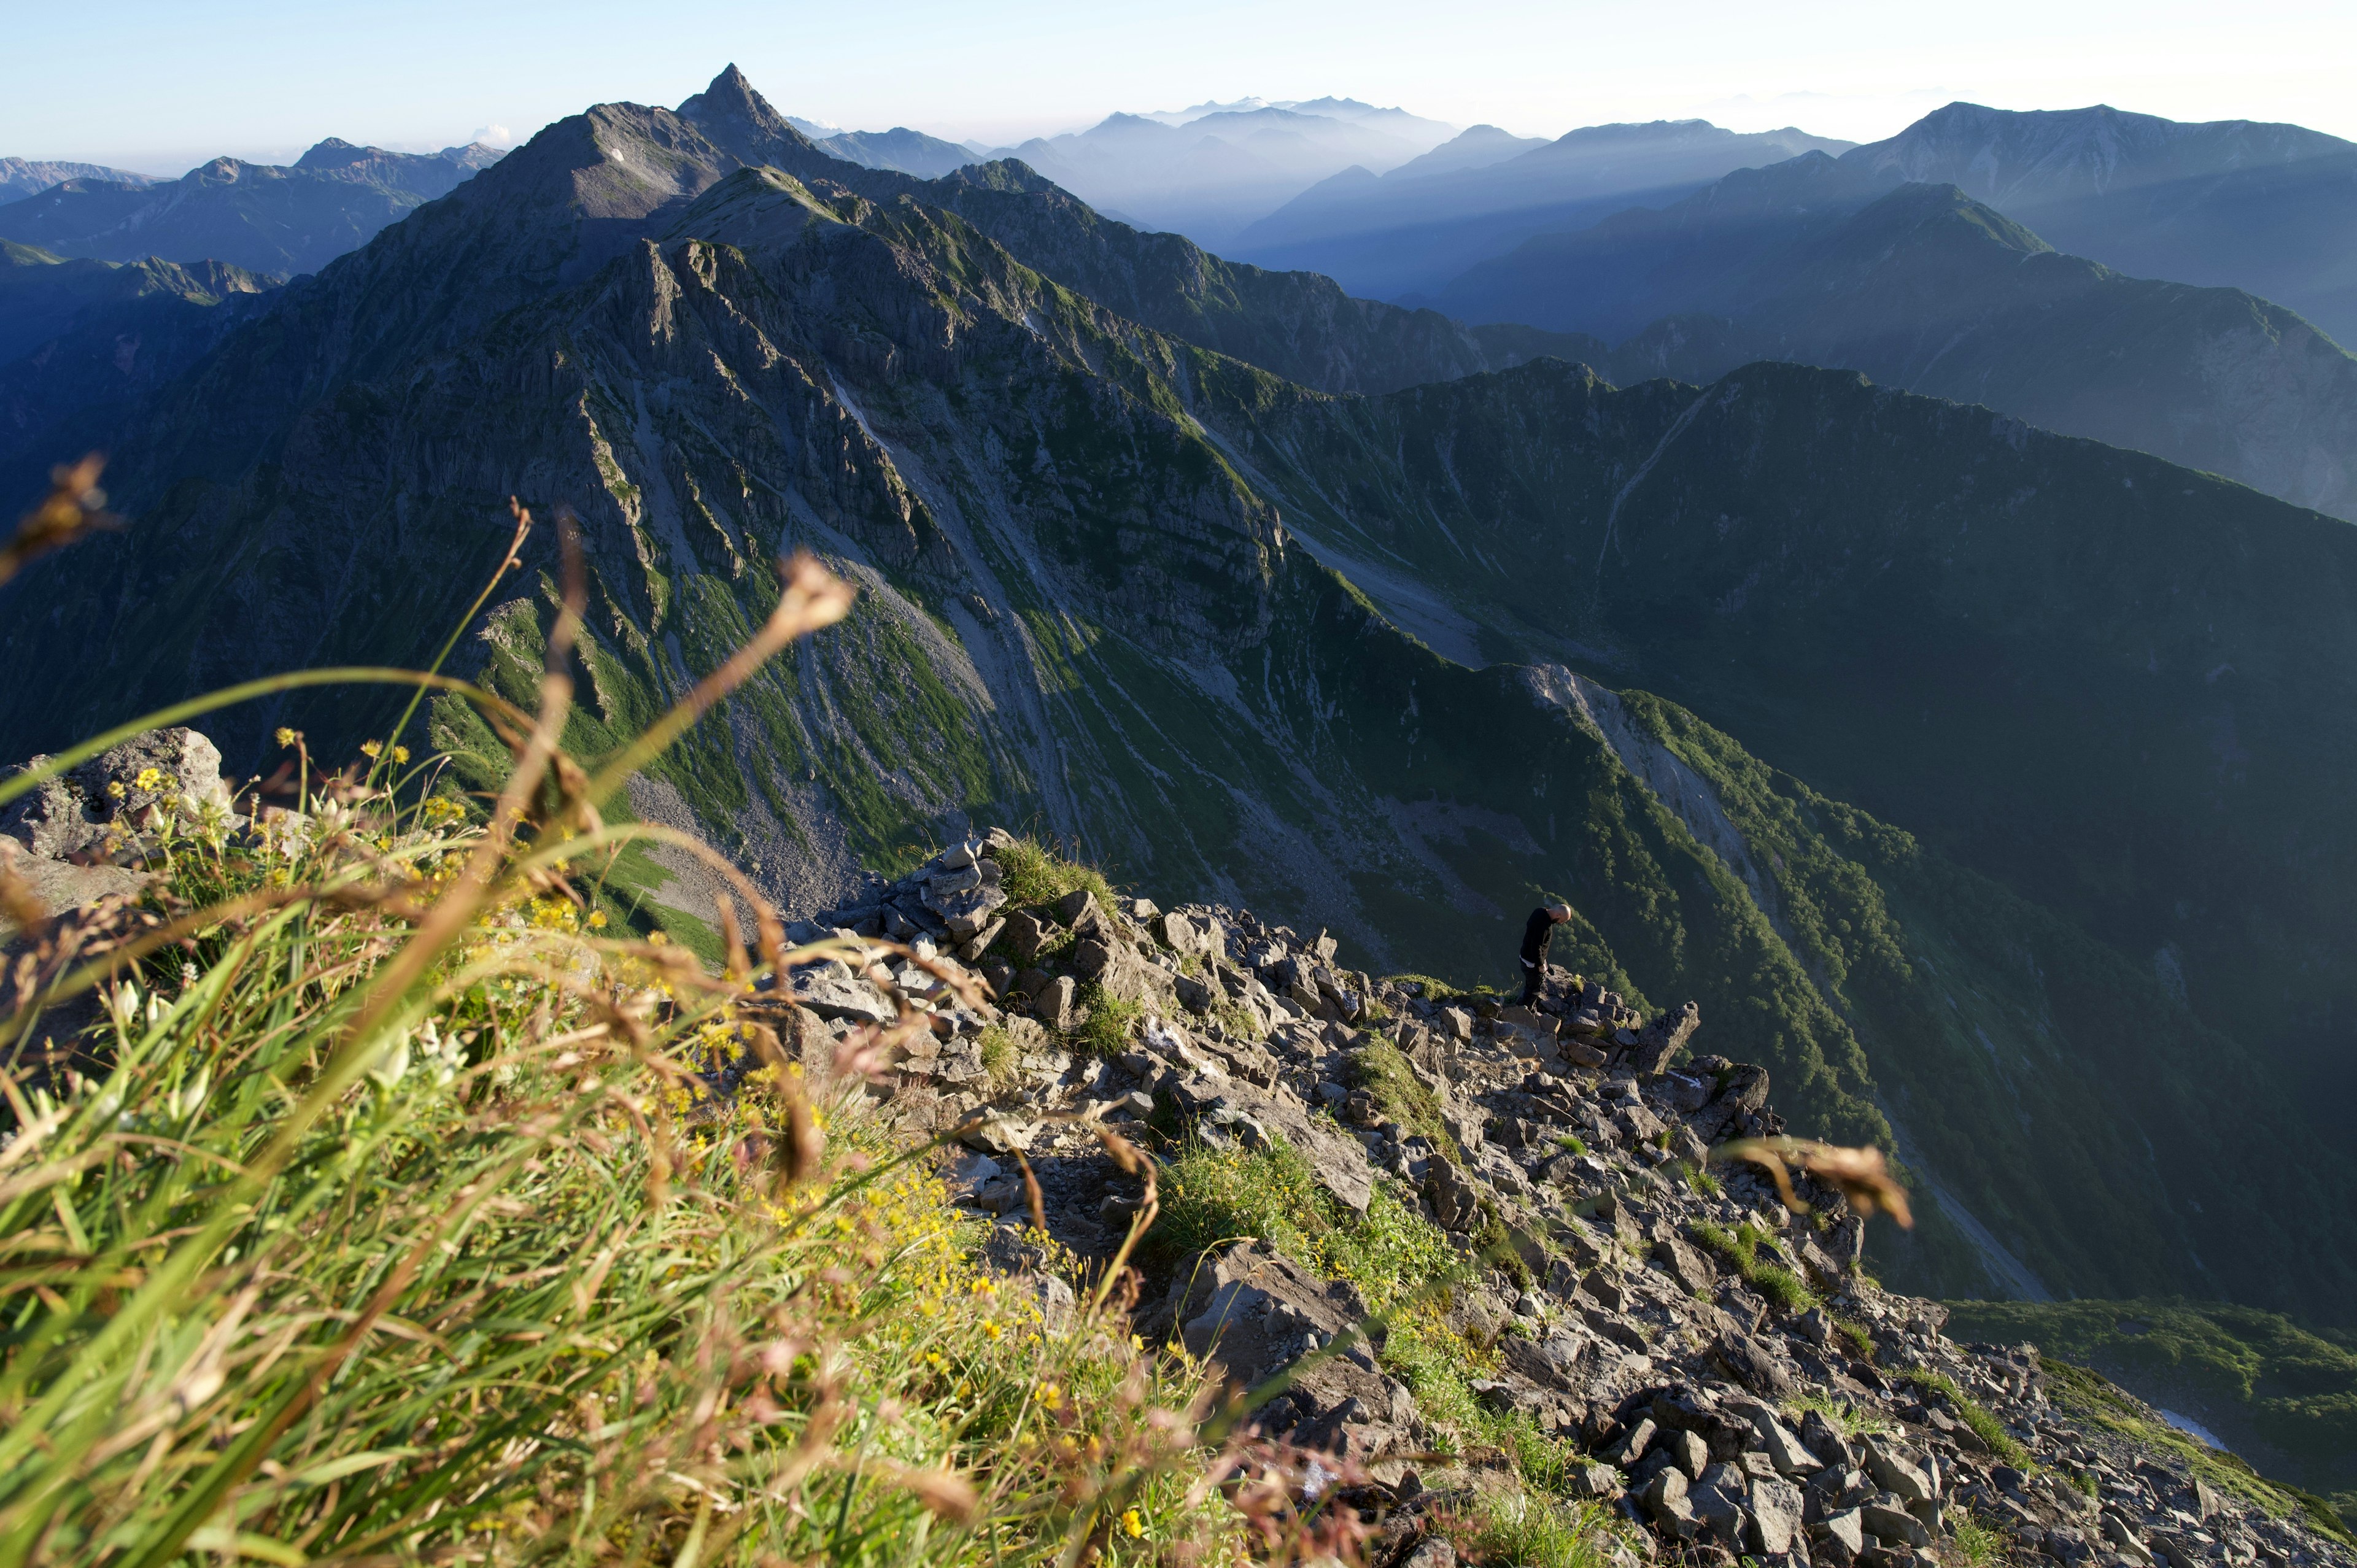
(1740, 1387)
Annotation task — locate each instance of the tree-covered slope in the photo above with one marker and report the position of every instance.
(2120, 688)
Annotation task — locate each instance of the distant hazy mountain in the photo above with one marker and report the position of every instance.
(264, 217)
(21, 177)
(1208, 175)
(911, 152)
(1407, 232)
(79, 340)
(2267, 208)
(1919, 286)
(1399, 122)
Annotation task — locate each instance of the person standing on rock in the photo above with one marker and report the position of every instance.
(1536, 932)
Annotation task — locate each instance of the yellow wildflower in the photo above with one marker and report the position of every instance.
(372, 748)
(401, 754)
(114, 789)
(285, 736)
(149, 779)
(1050, 1396)
(990, 1327)
(1131, 1525)
(598, 919)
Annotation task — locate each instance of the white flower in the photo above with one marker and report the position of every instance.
(192, 1097)
(392, 1062)
(124, 1004)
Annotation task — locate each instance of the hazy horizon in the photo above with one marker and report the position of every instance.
(434, 75)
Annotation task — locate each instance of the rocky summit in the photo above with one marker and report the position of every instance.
(1737, 1385)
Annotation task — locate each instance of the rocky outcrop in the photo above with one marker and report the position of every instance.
(82, 836)
(1737, 1388)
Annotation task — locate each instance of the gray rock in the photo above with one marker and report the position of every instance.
(1599, 1481)
(1025, 935)
(81, 811)
(1898, 1473)
(1684, 1264)
(1432, 1552)
(1664, 1498)
(1838, 1538)
(1456, 1200)
(1751, 1363)
(1786, 1452)
(1776, 1509)
(2116, 1531)
(1055, 1004)
(1827, 1444)
(1632, 1447)
(1688, 1451)
(1091, 957)
(1660, 1041)
(1884, 1522)
(1721, 1513)
(832, 991)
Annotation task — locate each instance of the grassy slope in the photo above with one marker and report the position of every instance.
(2283, 1397)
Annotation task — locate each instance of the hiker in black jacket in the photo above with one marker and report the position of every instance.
(1536, 932)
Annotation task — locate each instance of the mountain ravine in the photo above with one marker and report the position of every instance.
(1085, 608)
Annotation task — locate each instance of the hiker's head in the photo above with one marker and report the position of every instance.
(1559, 913)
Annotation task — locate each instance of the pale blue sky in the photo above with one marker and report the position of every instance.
(161, 86)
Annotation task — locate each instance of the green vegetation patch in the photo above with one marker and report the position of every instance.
(1036, 874)
(1105, 1030)
(1984, 1425)
(1740, 1248)
(2094, 1398)
(2281, 1394)
(1379, 1069)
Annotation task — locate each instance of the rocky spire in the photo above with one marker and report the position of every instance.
(739, 120)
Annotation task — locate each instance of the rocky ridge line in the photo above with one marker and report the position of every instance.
(1742, 1388)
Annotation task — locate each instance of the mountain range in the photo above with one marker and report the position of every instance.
(1870, 722)
(21, 177)
(1406, 231)
(1919, 285)
(1207, 173)
(266, 218)
(2244, 204)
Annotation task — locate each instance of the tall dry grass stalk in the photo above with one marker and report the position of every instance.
(397, 1210)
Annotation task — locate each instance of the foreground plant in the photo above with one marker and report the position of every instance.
(391, 1213)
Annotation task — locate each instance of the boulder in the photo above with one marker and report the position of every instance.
(1456, 1201)
(1896, 1473)
(1664, 1499)
(1837, 1539)
(102, 806)
(1749, 1362)
(1056, 1005)
(832, 991)
(1025, 935)
(1684, 1264)
(1883, 1522)
(1776, 1510)
(1660, 1041)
